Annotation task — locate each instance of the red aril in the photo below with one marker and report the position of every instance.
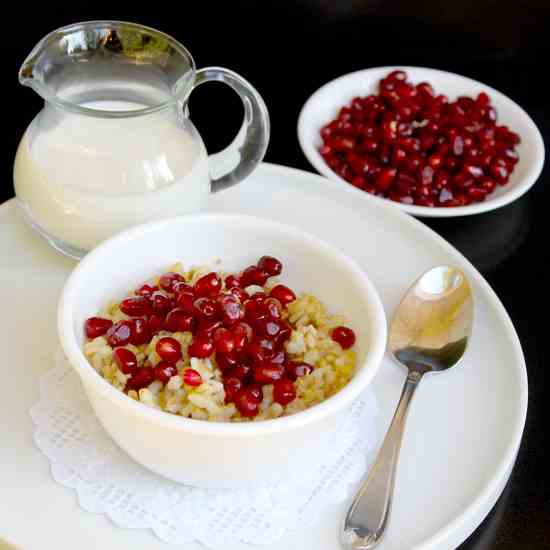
(178, 320)
(208, 285)
(161, 302)
(283, 294)
(206, 308)
(141, 378)
(167, 280)
(135, 306)
(343, 336)
(267, 373)
(192, 378)
(201, 347)
(272, 266)
(169, 349)
(125, 360)
(163, 371)
(97, 326)
(146, 290)
(253, 275)
(119, 334)
(141, 331)
(246, 403)
(223, 341)
(294, 370)
(284, 391)
(232, 386)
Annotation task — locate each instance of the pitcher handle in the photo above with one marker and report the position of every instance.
(238, 159)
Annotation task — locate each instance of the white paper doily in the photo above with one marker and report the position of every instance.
(107, 481)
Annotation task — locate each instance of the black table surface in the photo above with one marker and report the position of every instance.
(289, 49)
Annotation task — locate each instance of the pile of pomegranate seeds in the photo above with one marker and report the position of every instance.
(415, 147)
(245, 333)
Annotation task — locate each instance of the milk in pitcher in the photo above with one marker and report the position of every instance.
(81, 178)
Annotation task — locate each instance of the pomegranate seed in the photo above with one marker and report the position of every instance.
(161, 302)
(169, 349)
(246, 403)
(97, 326)
(146, 290)
(232, 281)
(192, 378)
(255, 352)
(296, 370)
(164, 371)
(267, 346)
(397, 75)
(179, 320)
(284, 391)
(272, 308)
(208, 285)
(241, 371)
(186, 301)
(206, 308)
(488, 184)
(385, 178)
(140, 379)
(499, 172)
(125, 360)
(179, 287)
(141, 331)
(119, 334)
(425, 89)
(283, 294)
(270, 265)
(268, 328)
(477, 194)
(135, 306)
(279, 357)
(167, 281)
(253, 275)
(445, 196)
(343, 336)
(223, 341)
(267, 373)
(201, 347)
(284, 334)
(155, 324)
(256, 391)
(472, 170)
(441, 179)
(240, 294)
(226, 361)
(231, 309)
(232, 386)
(207, 327)
(242, 334)
(435, 161)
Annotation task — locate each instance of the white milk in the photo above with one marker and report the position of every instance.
(83, 179)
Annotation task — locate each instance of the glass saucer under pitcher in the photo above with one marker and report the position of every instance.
(113, 146)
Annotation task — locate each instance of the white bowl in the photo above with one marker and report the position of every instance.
(324, 104)
(215, 454)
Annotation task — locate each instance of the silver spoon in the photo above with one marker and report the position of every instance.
(429, 333)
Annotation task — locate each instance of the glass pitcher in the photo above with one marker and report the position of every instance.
(113, 146)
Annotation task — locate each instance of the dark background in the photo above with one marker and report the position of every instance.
(287, 50)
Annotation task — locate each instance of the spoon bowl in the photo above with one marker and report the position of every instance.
(429, 333)
(433, 323)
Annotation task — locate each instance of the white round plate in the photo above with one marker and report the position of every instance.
(464, 427)
(324, 104)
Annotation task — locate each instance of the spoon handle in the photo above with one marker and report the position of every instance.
(368, 515)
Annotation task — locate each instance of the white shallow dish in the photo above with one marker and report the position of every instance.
(253, 452)
(463, 431)
(325, 103)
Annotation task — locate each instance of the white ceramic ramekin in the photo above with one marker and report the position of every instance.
(212, 454)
